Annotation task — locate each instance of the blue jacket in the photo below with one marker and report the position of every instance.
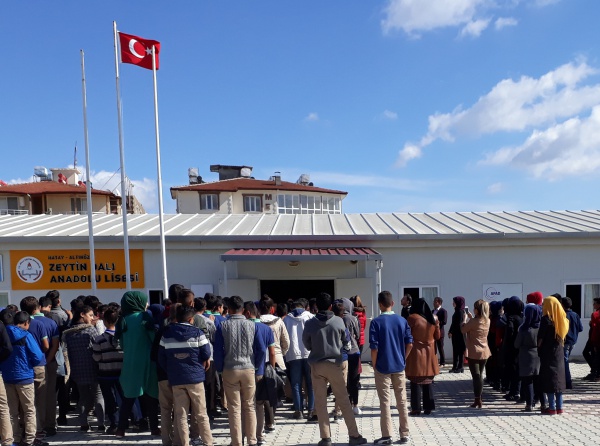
(183, 349)
(575, 327)
(26, 354)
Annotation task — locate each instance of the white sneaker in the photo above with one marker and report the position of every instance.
(356, 410)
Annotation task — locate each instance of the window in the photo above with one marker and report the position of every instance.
(582, 295)
(288, 204)
(78, 205)
(209, 202)
(8, 204)
(426, 292)
(310, 204)
(331, 206)
(252, 203)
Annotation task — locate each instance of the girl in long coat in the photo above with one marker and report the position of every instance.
(551, 337)
(454, 333)
(476, 332)
(529, 361)
(422, 364)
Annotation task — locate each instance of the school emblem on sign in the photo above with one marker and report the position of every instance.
(29, 269)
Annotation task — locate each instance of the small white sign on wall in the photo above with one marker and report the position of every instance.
(501, 291)
(201, 289)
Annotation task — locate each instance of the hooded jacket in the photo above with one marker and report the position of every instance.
(294, 323)
(351, 323)
(26, 354)
(79, 341)
(325, 336)
(280, 334)
(183, 349)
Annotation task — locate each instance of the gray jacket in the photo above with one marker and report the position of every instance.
(325, 336)
(529, 361)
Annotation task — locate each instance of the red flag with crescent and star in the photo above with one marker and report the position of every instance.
(138, 51)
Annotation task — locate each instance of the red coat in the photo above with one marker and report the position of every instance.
(595, 329)
(362, 321)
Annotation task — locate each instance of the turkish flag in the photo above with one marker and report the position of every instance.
(138, 51)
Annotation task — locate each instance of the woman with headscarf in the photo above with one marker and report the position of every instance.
(157, 312)
(454, 333)
(493, 362)
(529, 361)
(514, 319)
(551, 336)
(421, 363)
(476, 333)
(135, 331)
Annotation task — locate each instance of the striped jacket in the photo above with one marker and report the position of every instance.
(108, 355)
(183, 349)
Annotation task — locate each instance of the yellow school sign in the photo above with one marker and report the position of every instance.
(71, 269)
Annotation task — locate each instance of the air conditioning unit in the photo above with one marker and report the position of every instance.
(49, 211)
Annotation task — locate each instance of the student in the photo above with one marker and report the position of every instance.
(325, 336)
(18, 375)
(529, 361)
(109, 357)
(476, 331)
(45, 331)
(442, 316)
(187, 298)
(234, 357)
(6, 433)
(575, 327)
(79, 339)
(297, 360)
(391, 341)
(454, 333)
(184, 353)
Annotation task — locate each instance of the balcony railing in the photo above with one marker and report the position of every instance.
(14, 212)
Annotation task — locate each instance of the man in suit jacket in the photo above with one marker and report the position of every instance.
(442, 316)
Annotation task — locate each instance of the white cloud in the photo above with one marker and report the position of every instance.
(145, 190)
(542, 3)
(571, 148)
(495, 188)
(389, 115)
(414, 16)
(504, 22)
(474, 28)
(312, 117)
(514, 106)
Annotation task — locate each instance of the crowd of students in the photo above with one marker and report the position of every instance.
(194, 359)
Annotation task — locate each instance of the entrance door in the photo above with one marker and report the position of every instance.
(37, 205)
(282, 290)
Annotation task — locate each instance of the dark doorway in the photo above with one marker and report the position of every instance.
(156, 296)
(37, 205)
(282, 290)
(575, 293)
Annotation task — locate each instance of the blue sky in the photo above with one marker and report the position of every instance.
(409, 105)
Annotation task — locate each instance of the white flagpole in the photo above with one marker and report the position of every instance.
(122, 153)
(88, 184)
(163, 252)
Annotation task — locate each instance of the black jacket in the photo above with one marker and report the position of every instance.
(5, 344)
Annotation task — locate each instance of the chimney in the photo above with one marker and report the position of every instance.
(277, 178)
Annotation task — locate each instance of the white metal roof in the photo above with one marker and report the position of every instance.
(339, 226)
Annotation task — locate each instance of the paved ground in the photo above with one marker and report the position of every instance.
(498, 423)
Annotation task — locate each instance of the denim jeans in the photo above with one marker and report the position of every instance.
(568, 349)
(298, 369)
(555, 403)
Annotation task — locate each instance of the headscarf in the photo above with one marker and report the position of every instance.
(552, 308)
(460, 302)
(495, 307)
(133, 302)
(421, 308)
(156, 311)
(535, 298)
(515, 306)
(532, 315)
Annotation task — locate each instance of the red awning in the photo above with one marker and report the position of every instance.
(290, 254)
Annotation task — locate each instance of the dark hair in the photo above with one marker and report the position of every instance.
(45, 301)
(236, 303)
(7, 317)
(385, 299)
(214, 303)
(185, 313)
(93, 302)
(208, 296)
(186, 297)
(566, 302)
(408, 298)
(250, 307)
(438, 298)
(110, 316)
(79, 310)
(265, 305)
(55, 296)
(282, 310)
(174, 291)
(166, 302)
(199, 304)
(12, 307)
(323, 301)
(596, 300)
(21, 317)
(338, 308)
(312, 305)
(29, 304)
